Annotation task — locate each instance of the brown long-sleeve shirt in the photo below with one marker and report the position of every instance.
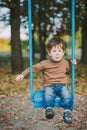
(53, 72)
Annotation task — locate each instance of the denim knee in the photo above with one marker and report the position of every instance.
(48, 97)
(67, 103)
(66, 98)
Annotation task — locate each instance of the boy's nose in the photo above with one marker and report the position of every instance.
(57, 53)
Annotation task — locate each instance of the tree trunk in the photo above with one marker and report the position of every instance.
(84, 41)
(42, 45)
(16, 52)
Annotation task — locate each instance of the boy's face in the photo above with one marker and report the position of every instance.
(56, 53)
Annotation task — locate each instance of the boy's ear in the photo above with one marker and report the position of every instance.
(64, 52)
(48, 53)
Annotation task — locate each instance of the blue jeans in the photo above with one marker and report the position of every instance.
(61, 90)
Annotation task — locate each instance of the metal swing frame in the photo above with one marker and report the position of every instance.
(36, 96)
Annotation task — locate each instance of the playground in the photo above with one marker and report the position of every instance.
(17, 112)
(16, 109)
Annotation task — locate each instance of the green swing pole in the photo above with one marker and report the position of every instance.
(73, 48)
(30, 47)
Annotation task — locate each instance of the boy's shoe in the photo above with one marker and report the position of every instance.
(67, 117)
(49, 113)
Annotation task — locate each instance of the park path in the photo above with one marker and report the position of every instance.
(17, 113)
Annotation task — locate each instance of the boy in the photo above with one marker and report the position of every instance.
(55, 71)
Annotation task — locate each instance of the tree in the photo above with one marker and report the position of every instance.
(14, 20)
(84, 41)
(82, 20)
(16, 56)
(44, 14)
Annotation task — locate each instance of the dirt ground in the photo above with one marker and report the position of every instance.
(17, 113)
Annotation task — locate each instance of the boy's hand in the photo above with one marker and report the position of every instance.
(19, 77)
(74, 62)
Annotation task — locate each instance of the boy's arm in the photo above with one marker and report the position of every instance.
(26, 72)
(36, 68)
(21, 76)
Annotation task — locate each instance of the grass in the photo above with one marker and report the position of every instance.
(8, 85)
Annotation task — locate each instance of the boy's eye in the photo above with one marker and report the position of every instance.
(59, 50)
(54, 50)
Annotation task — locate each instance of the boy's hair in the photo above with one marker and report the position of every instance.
(55, 41)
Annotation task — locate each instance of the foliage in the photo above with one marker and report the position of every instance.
(81, 80)
(4, 44)
(25, 45)
(48, 18)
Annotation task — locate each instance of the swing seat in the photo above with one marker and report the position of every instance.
(37, 99)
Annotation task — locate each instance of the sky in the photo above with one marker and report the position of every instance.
(5, 31)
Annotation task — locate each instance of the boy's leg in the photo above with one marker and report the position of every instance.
(48, 101)
(66, 103)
